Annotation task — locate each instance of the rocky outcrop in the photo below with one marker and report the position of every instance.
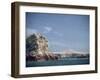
(37, 48)
(39, 57)
(36, 44)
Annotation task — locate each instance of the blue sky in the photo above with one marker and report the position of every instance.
(63, 31)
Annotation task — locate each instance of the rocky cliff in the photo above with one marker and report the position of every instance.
(37, 48)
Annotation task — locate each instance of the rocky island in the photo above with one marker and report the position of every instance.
(37, 50)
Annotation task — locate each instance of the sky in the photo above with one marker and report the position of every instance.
(63, 31)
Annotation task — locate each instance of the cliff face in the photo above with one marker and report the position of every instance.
(36, 44)
(37, 48)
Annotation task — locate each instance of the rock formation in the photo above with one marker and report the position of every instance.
(37, 48)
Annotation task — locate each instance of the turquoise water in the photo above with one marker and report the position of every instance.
(64, 61)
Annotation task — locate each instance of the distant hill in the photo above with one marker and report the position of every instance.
(71, 54)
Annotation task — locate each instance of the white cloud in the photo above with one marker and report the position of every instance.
(47, 29)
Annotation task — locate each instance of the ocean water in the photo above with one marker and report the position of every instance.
(63, 61)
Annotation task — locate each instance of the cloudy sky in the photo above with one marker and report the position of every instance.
(63, 32)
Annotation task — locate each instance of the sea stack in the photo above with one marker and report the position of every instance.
(37, 44)
(37, 48)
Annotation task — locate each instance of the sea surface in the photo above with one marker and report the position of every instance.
(63, 61)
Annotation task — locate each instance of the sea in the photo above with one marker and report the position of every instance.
(59, 62)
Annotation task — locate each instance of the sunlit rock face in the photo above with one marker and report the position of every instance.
(37, 48)
(37, 44)
(42, 44)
